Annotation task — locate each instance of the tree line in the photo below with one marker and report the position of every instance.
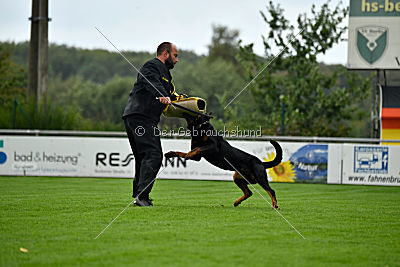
(295, 95)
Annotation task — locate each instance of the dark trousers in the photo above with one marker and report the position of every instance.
(146, 147)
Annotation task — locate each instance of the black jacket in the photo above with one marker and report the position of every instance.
(142, 99)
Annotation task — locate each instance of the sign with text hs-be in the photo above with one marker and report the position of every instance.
(374, 34)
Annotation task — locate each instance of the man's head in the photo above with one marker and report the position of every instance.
(168, 54)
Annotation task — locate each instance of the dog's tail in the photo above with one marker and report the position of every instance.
(278, 157)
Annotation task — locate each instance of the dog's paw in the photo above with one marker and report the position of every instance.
(170, 154)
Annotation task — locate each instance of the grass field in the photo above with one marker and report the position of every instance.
(194, 223)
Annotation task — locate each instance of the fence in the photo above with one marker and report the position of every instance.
(313, 139)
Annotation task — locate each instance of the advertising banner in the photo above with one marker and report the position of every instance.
(371, 165)
(112, 157)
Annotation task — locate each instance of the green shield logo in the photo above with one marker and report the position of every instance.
(371, 42)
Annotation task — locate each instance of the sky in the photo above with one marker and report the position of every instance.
(141, 25)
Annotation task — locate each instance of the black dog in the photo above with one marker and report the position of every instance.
(220, 153)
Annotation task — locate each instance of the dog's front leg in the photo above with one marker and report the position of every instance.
(194, 154)
(173, 154)
(190, 155)
(198, 152)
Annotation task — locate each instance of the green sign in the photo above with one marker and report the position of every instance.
(379, 8)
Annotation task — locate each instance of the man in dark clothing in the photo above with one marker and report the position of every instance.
(151, 93)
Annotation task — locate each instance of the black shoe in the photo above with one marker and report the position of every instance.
(145, 202)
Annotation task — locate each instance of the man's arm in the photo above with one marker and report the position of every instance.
(152, 83)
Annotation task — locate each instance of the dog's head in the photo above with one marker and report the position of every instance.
(196, 120)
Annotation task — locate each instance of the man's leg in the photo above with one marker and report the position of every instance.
(151, 164)
(148, 150)
(131, 136)
(137, 175)
(150, 145)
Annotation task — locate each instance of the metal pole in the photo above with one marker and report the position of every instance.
(283, 117)
(375, 108)
(384, 77)
(14, 113)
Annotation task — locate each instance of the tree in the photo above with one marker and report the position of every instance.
(12, 78)
(113, 97)
(224, 44)
(98, 103)
(293, 91)
(209, 81)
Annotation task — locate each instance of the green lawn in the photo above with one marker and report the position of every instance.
(194, 223)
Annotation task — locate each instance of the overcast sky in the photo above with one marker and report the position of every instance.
(142, 25)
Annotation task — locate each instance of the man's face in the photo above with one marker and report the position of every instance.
(172, 58)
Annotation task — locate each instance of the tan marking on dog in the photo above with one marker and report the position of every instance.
(236, 175)
(274, 202)
(192, 153)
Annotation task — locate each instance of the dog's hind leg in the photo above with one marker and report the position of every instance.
(242, 184)
(262, 180)
(264, 184)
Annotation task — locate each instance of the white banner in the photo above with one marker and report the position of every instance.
(112, 157)
(371, 165)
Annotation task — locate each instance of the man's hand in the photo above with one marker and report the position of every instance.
(165, 100)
